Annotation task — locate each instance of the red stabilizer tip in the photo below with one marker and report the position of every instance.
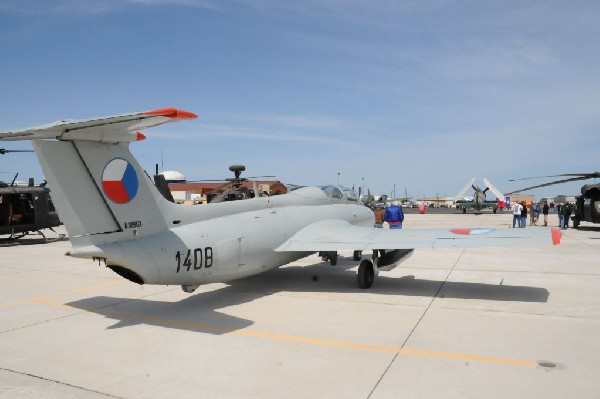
(140, 136)
(556, 236)
(172, 113)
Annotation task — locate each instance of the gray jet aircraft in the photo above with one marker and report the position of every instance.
(113, 213)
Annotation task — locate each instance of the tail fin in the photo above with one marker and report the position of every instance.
(100, 191)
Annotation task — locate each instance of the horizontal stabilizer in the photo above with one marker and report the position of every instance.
(112, 129)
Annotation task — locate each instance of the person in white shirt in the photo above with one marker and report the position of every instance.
(517, 208)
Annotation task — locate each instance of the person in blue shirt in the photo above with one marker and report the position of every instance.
(394, 216)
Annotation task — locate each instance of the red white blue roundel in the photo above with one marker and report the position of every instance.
(119, 181)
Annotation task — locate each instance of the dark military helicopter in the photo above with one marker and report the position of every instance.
(587, 205)
(25, 209)
(234, 188)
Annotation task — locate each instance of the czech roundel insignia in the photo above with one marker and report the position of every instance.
(119, 181)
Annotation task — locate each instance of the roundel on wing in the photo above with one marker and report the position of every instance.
(119, 181)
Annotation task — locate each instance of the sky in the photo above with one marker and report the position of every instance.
(420, 96)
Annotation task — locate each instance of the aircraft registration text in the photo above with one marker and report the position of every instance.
(132, 225)
(197, 258)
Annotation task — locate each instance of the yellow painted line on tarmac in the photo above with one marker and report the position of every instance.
(298, 339)
(61, 293)
(81, 289)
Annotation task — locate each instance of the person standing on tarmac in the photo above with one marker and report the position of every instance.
(394, 216)
(545, 210)
(523, 215)
(517, 207)
(566, 212)
(379, 217)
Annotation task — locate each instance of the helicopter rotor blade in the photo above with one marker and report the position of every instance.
(206, 181)
(258, 177)
(591, 175)
(216, 189)
(550, 184)
(5, 151)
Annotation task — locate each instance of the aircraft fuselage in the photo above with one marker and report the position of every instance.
(225, 247)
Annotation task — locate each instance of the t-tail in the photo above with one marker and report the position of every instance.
(100, 191)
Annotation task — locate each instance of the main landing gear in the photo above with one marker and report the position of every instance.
(366, 274)
(366, 269)
(382, 260)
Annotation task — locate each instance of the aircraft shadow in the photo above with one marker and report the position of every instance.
(198, 312)
(194, 313)
(322, 277)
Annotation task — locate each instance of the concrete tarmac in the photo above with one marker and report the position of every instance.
(449, 323)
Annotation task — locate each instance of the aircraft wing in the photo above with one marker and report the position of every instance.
(338, 235)
(118, 128)
(462, 192)
(496, 192)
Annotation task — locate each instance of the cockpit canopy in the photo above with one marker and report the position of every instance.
(331, 191)
(339, 192)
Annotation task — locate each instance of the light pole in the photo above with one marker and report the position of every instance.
(363, 186)
(394, 191)
(339, 178)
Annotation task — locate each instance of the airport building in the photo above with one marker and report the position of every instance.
(528, 198)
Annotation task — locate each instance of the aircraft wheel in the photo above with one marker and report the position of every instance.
(464, 210)
(366, 274)
(357, 255)
(333, 259)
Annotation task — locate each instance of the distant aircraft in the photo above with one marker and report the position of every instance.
(478, 201)
(25, 209)
(113, 213)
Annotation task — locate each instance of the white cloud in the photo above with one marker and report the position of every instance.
(216, 131)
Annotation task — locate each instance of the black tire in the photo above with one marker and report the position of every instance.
(357, 255)
(366, 274)
(333, 260)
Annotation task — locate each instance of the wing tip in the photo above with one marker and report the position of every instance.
(469, 231)
(172, 113)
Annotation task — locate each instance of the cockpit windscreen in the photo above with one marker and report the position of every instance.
(340, 192)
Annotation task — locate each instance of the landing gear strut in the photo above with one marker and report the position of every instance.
(330, 256)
